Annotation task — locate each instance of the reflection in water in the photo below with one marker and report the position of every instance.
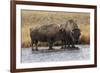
(43, 55)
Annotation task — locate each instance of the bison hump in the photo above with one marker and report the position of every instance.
(49, 30)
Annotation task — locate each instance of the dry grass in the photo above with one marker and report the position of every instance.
(85, 34)
(37, 18)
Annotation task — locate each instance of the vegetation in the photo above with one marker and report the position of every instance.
(39, 18)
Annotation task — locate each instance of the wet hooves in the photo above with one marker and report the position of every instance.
(63, 47)
(77, 48)
(73, 48)
(51, 49)
(34, 49)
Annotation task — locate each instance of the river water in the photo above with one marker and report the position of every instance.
(45, 55)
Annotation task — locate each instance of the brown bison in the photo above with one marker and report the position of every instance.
(46, 33)
(68, 33)
(72, 33)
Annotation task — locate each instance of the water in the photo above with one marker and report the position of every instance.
(43, 55)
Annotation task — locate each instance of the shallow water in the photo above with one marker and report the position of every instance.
(45, 55)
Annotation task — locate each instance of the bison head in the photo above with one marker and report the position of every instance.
(76, 35)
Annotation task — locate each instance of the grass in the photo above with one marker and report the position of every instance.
(85, 34)
(37, 18)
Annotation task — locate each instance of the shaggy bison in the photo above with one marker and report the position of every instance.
(68, 33)
(72, 33)
(46, 33)
(72, 38)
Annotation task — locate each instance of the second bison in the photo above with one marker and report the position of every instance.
(72, 33)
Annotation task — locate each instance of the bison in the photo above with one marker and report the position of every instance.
(72, 33)
(69, 34)
(72, 38)
(46, 33)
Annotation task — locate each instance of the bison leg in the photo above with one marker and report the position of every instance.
(36, 44)
(32, 45)
(73, 45)
(68, 44)
(63, 44)
(50, 45)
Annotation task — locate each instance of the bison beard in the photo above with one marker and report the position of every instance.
(73, 38)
